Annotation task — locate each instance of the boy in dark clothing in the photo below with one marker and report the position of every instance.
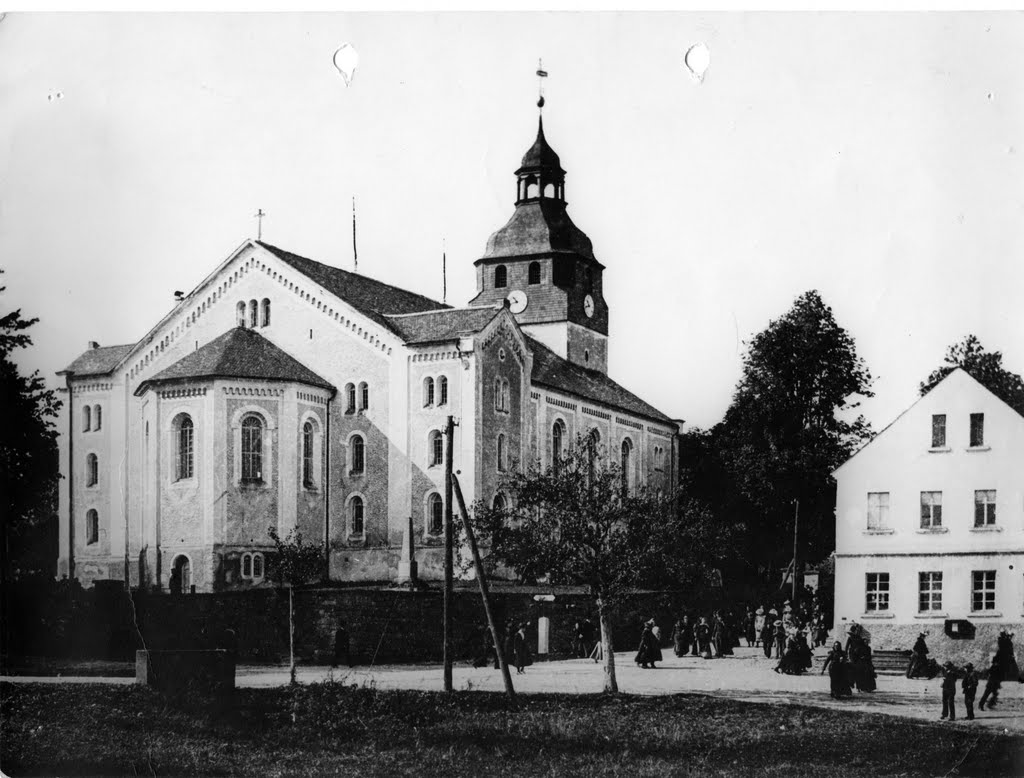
(992, 684)
(949, 692)
(970, 687)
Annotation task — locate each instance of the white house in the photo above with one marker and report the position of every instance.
(930, 525)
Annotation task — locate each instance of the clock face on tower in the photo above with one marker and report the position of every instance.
(517, 301)
(588, 305)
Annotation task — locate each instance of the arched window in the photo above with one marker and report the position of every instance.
(428, 391)
(533, 274)
(532, 188)
(247, 565)
(97, 417)
(501, 452)
(307, 455)
(357, 455)
(86, 418)
(350, 398)
(356, 524)
(626, 465)
(252, 449)
(505, 404)
(92, 470)
(557, 443)
(92, 527)
(435, 514)
(500, 277)
(257, 566)
(499, 503)
(497, 394)
(364, 396)
(266, 312)
(436, 453)
(549, 190)
(253, 314)
(442, 390)
(240, 314)
(184, 440)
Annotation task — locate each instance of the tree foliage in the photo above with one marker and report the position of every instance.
(28, 453)
(296, 561)
(984, 366)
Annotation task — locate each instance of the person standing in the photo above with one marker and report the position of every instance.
(703, 638)
(748, 628)
(970, 687)
(648, 652)
(768, 637)
(521, 650)
(682, 635)
(949, 692)
(918, 657)
(780, 638)
(838, 674)
(992, 684)
(758, 624)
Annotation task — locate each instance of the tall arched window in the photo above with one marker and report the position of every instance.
(240, 314)
(266, 312)
(357, 455)
(92, 470)
(499, 503)
(350, 398)
(533, 273)
(92, 527)
(500, 277)
(442, 390)
(307, 455)
(626, 465)
(357, 525)
(86, 418)
(435, 514)
(184, 440)
(557, 444)
(436, 449)
(498, 395)
(501, 452)
(97, 417)
(252, 449)
(428, 391)
(364, 396)
(505, 404)
(253, 314)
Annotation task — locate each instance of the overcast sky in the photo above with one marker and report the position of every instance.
(874, 157)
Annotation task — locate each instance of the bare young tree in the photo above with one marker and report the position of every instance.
(296, 562)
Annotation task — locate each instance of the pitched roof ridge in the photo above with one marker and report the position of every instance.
(443, 310)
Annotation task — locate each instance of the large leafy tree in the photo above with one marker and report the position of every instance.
(577, 524)
(985, 366)
(28, 454)
(792, 421)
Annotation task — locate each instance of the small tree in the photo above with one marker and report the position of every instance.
(296, 562)
(578, 524)
(986, 367)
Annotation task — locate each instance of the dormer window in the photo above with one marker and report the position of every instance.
(500, 277)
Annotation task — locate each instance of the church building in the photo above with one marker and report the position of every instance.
(286, 392)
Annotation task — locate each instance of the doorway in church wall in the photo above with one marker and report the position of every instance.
(181, 575)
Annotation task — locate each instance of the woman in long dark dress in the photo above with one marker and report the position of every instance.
(792, 662)
(860, 661)
(768, 637)
(838, 674)
(702, 634)
(649, 651)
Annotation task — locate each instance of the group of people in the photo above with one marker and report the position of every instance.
(851, 667)
(1003, 667)
(706, 638)
(516, 645)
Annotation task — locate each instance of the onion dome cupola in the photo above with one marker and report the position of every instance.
(540, 175)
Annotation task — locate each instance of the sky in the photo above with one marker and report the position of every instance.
(874, 157)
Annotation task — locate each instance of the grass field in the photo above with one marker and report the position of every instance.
(331, 729)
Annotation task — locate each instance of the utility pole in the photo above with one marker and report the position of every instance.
(796, 524)
(449, 436)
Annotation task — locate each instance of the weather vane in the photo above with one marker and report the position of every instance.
(259, 223)
(541, 75)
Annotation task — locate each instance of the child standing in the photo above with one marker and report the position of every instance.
(949, 692)
(970, 687)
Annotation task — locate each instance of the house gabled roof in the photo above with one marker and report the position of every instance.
(370, 297)
(554, 372)
(238, 353)
(441, 326)
(98, 361)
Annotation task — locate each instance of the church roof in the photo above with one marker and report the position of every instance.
(554, 372)
(444, 325)
(540, 226)
(98, 361)
(239, 353)
(540, 154)
(372, 298)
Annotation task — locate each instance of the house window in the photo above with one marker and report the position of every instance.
(253, 314)
(356, 526)
(929, 592)
(435, 514)
(246, 565)
(436, 449)
(985, 508)
(533, 275)
(257, 566)
(428, 391)
(931, 510)
(307, 455)
(240, 314)
(252, 450)
(977, 429)
(501, 452)
(357, 455)
(983, 590)
(500, 277)
(442, 390)
(557, 443)
(92, 527)
(939, 430)
(877, 592)
(350, 398)
(86, 418)
(266, 312)
(184, 439)
(878, 510)
(97, 417)
(92, 470)
(627, 450)
(364, 396)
